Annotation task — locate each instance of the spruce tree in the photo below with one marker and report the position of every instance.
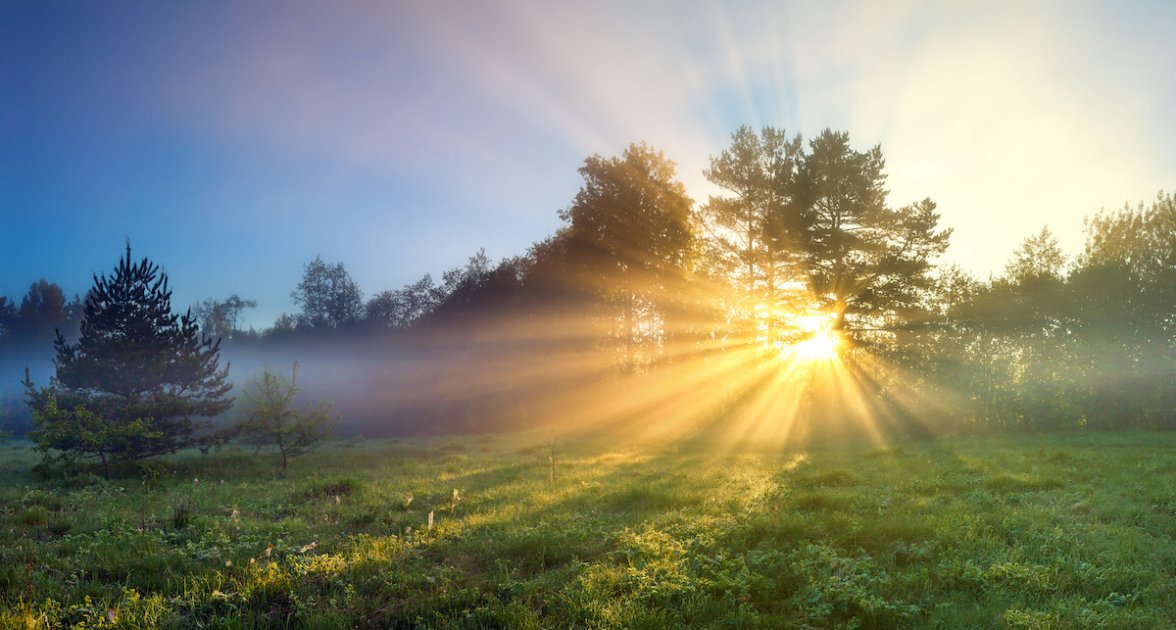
(136, 364)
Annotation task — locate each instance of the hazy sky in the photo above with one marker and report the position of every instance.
(234, 141)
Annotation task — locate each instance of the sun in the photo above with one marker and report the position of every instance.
(817, 338)
(819, 345)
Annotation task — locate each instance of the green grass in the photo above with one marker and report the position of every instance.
(1024, 531)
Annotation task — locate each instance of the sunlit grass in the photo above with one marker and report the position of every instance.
(1013, 531)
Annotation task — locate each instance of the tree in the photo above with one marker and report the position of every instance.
(135, 361)
(5, 432)
(758, 172)
(7, 318)
(79, 432)
(632, 219)
(863, 260)
(273, 419)
(1122, 316)
(43, 311)
(330, 299)
(631, 239)
(221, 318)
(403, 307)
(285, 324)
(1039, 257)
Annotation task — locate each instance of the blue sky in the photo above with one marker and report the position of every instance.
(232, 142)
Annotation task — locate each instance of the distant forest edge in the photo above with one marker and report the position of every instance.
(649, 306)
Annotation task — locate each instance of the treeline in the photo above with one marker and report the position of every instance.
(1051, 344)
(646, 305)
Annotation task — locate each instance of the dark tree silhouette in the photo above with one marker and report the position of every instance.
(43, 311)
(632, 219)
(221, 318)
(403, 307)
(7, 317)
(758, 174)
(631, 240)
(863, 259)
(135, 362)
(329, 298)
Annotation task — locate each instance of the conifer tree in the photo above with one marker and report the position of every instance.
(135, 364)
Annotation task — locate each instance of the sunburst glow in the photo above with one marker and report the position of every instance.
(820, 345)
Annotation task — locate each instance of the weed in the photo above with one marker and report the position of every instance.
(35, 516)
(181, 515)
(334, 486)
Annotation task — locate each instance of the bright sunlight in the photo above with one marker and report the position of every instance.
(820, 341)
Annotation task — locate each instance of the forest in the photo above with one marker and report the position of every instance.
(800, 291)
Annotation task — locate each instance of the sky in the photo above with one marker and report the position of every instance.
(232, 142)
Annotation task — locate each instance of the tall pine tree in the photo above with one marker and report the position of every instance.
(135, 365)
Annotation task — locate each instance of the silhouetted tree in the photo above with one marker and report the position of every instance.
(863, 259)
(1094, 346)
(221, 318)
(7, 318)
(758, 173)
(403, 307)
(329, 298)
(1121, 322)
(43, 311)
(1039, 256)
(286, 324)
(631, 238)
(135, 362)
(632, 219)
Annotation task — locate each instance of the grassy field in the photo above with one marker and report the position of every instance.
(1017, 531)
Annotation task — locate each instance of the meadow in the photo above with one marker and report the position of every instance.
(1015, 530)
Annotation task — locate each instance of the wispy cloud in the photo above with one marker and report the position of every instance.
(424, 130)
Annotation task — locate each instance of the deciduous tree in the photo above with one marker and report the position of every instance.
(273, 418)
(329, 298)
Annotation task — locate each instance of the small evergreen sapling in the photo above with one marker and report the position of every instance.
(273, 419)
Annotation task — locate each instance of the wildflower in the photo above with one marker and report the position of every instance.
(269, 550)
(195, 481)
(306, 548)
(111, 615)
(229, 562)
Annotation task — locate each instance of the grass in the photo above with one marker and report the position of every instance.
(1025, 531)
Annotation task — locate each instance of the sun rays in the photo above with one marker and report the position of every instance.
(641, 375)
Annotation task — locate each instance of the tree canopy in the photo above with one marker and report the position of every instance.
(135, 362)
(329, 297)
